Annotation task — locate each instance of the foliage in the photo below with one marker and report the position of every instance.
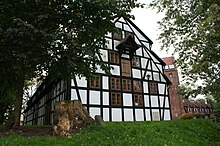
(187, 91)
(187, 116)
(192, 28)
(179, 132)
(55, 37)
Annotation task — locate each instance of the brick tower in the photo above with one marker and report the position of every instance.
(175, 98)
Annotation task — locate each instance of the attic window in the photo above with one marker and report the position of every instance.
(128, 45)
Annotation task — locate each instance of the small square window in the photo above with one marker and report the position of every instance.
(95, 81)
(138, 100)
(153, 87)
(115, 99)
(114, 57)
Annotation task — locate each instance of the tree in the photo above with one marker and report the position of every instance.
(56, 37)
(187, 91)
(192, 28)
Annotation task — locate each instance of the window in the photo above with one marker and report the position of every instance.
(126, 67)
(137, 86)
(136, 62)
(138, 100)
(126, 84)
(95, 81)
(116, 99)
(153, 87)
(115, 84)
(114, 57)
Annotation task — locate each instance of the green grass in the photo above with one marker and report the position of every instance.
(165, 133)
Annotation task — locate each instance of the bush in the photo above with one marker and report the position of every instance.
(187, 116)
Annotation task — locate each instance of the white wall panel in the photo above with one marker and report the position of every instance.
(116, 114)
(105, 82)
(105, 98)
(145, 87)
(105, 114)
(136, 73)
(161, 88)
(128, 115)
(161, 101)
(167, 115)
(99, 70)
(127, 99)
(166, 102)
(139, 114)
(73, 94)
(115, 70)
(104, 55)
(145, 53)
(156, 76)
(155, 115)
(81, 82)
(139, 52)
(93, 111)
(146, 101)
(94, 97)
(83, 95)
(154, 101)
(143, 62)
(147, 113)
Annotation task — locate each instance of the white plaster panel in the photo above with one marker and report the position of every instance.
(104, 54)
(155, 115)
(140, 36)
(125, 56)
(161, 101)
(105, 98)
(160, 67)
(108, 34)
(105, 82)
(99, 70)
(118, 25)
(154, 101)
(126, 27)
(108, 43)
(145, 87)
(128, 115)
(139, 51)
(138, 42)
(93, 111)
(149, 65)
(115, 70)
(166, 102)
(147, 112)
(116, 42)
(154, 59)
(127, 99)
(143, 62)
(136, 73)
(156, 76)
(81, 82)
(167, 115)
(116, 114)
(105, 114)
(139, 114)
(83, 95)
(162, 78)
(145, 53)
(146, 101)
(154, 67)
(73, 94)
(94, 97)
(161, 88)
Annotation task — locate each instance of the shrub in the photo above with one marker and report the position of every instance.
(187, 116)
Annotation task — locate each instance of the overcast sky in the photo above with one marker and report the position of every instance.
(146, 19)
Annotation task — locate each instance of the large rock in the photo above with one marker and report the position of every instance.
(70, 116)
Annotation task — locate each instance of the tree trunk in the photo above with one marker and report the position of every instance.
(19, 95)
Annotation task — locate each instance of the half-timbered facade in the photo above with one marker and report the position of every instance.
(136, 90)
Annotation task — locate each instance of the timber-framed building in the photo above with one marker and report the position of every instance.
(136, 90)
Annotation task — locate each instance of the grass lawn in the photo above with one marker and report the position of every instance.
(196, 132)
